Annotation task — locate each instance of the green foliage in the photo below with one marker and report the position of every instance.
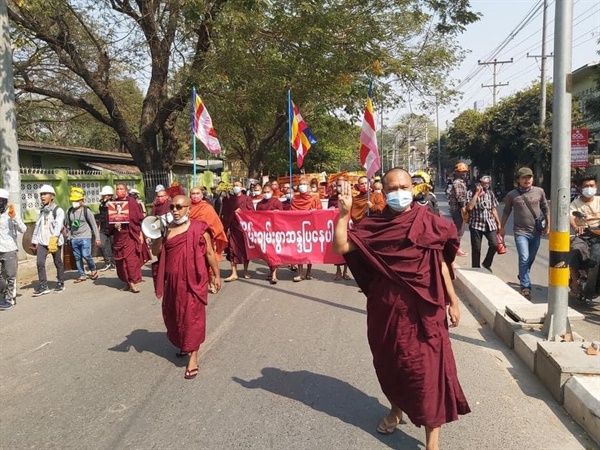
(243, 56)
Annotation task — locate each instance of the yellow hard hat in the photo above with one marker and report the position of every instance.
(76, 194)
(461, 167)
(424, 175)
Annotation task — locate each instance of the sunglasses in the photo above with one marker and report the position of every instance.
(177, 207)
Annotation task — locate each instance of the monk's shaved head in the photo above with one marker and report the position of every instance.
(396, 178)
(181, 200)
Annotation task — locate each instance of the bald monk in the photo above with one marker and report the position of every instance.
(236, 253)
(402, 262)
(201, 209)
(270, 203)
(182, 280)
(305, 201)
(360, 204)
(129, 248)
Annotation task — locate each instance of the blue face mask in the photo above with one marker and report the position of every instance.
(399, 200)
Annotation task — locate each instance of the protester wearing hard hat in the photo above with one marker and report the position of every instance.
(106, 238)
(10, 224)
(82, 227)
(457, 199)
(48, 238)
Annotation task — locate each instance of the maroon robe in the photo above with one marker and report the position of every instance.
(129, 249)
(182, 282)
(160, 210)
(236, 250)
(398, 266)
(273, 204)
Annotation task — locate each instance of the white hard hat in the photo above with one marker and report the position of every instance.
(4, 193)
(47, 189)
(159, 187)
(134, 191)
(107, 190)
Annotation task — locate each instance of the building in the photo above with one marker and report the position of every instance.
(585, 85)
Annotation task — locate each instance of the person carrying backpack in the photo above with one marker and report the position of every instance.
(82, 225)
(48, 238)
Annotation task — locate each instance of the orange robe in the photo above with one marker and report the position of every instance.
(359, 206)
(205, 212)
(305, 202)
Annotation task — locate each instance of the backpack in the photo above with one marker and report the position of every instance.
(64, 230)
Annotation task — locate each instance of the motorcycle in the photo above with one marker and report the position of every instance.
(589, 281)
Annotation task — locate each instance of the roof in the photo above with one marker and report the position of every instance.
(116, 168)
(62, 150)
(586, 69)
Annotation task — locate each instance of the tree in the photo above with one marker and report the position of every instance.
(243, 55)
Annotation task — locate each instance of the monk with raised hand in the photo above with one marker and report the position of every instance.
(201, 209)
(269, 203)
(186, 253)
(305, 201)
(402, 260)
(129, 248)
(236, 250)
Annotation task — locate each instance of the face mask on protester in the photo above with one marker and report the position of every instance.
(267, 195)
(399, 200)
(362, 188)
(303, 188)
(196, 198)
(256, 193)
(589, 192)
(181, 220)
(75, 205)
(314, 189)
(237, 190)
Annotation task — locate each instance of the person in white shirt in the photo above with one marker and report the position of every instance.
(583, 245)
(10, 224)
(48, 238)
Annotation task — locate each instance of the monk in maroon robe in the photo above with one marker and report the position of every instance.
(402, 262)
(305, 201)
(129, 247)
(160, 207)
(270, 203)
(236, 250)
(182, 280)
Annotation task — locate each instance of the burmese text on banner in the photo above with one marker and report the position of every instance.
(290, 237)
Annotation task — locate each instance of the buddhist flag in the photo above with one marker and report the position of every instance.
(369, 154)
(202, 126)
(300, 136)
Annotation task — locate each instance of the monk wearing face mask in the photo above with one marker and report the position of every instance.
(362, 202)
(201, 209)
(305, 201)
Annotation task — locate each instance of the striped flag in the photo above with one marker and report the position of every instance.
(369, 154)
(202, 126)
(300, 137)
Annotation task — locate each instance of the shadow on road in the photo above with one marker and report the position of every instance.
(331, 396)
(150, 341)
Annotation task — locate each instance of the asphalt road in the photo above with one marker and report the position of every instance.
(506, 268)
(283, 367)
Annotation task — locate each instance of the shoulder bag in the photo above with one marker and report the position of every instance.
(540, 222)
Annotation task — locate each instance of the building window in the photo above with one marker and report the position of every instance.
(36, 161)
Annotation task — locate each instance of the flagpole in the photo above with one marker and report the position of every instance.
(369, 181)
(194, 137)
(289, 98)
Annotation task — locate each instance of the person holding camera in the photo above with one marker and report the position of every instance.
(531, 221)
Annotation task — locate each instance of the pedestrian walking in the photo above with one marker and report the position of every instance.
(106, 238)
(182, 279)
(269, 203)
(483, 221)
(82, 228)
(236, 249)
(47, 239)
(10, 225)
(457, 199)
(402, 261)
(531, 220)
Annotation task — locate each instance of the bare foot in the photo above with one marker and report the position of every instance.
(231, 278)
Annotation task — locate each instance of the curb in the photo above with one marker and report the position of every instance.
(572, 377)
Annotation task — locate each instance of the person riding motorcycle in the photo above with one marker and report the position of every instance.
(423, 191)
(585, 247)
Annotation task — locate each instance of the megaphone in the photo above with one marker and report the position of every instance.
(153, 227)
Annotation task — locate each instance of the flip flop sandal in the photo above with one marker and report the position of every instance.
(273, 281)
(246, 277)
(191, 374)
(94, 275)
(134, 291)
(386, 427)
(181, 354)
(229, 280)
(308, 277)
(80, 280)
(337, 278)
(298, 278)
(346, 277)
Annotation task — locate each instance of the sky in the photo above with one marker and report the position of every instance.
(500, 18)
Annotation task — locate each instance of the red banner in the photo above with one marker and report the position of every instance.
(290, 237)
(579, 147)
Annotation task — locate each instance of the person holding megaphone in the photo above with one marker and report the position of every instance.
(181, 279)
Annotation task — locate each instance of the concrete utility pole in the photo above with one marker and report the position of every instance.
(439, 151)
(557, 322)
(494, 85)
(9, 150)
